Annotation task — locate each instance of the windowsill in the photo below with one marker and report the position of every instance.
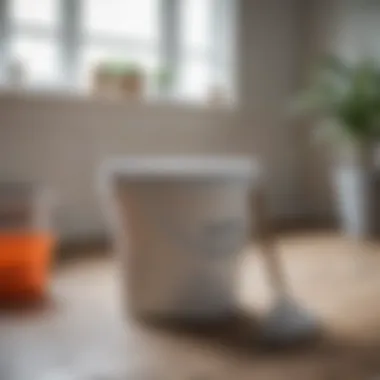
(73, 96)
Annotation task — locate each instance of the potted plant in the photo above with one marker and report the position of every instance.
(131, 80)
(119, 79)
(345, 98)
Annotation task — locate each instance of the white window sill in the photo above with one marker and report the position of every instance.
(74, 96)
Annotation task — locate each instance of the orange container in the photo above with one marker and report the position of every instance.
(25, 259)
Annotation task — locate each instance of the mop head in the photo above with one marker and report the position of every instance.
(288, 324)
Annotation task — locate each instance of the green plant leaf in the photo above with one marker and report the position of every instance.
(348, 94)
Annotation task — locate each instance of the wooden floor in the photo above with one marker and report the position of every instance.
(82, 335)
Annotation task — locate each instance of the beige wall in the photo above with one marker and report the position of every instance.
(318, 23)
(270, 46)
(61, 141)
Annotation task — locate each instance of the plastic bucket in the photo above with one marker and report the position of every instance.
(179, 229)
(24, 264)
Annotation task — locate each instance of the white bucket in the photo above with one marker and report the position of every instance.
(180, 226)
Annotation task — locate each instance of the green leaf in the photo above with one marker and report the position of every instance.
(348, 94)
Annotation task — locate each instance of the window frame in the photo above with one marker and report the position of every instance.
(72, 38)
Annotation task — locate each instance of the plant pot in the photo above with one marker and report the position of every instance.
(102, 82)
(354, 180)
(132, 85)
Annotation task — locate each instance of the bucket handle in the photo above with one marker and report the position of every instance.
(263, 232)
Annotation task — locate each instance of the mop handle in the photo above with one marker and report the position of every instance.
(263, 231)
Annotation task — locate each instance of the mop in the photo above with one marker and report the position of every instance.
(287, 322)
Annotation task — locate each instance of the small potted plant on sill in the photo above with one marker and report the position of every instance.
(345, 98)
(120, 79)
(131, 80)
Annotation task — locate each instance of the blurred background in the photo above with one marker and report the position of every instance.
(88, 86)
(57, 45)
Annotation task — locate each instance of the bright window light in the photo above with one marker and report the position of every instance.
(196, 24)
(39, 12)
(193, 79)
(61, 42)
(39, 57)
(122, 18)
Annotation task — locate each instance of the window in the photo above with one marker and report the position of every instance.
(39, 56)
(92, 53)
(62, 41)
(37, 12)
(196, 40)
(121, 30)
(196, 23)
(33, 39)
(122, 18)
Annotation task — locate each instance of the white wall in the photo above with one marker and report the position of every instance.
(62, 141)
